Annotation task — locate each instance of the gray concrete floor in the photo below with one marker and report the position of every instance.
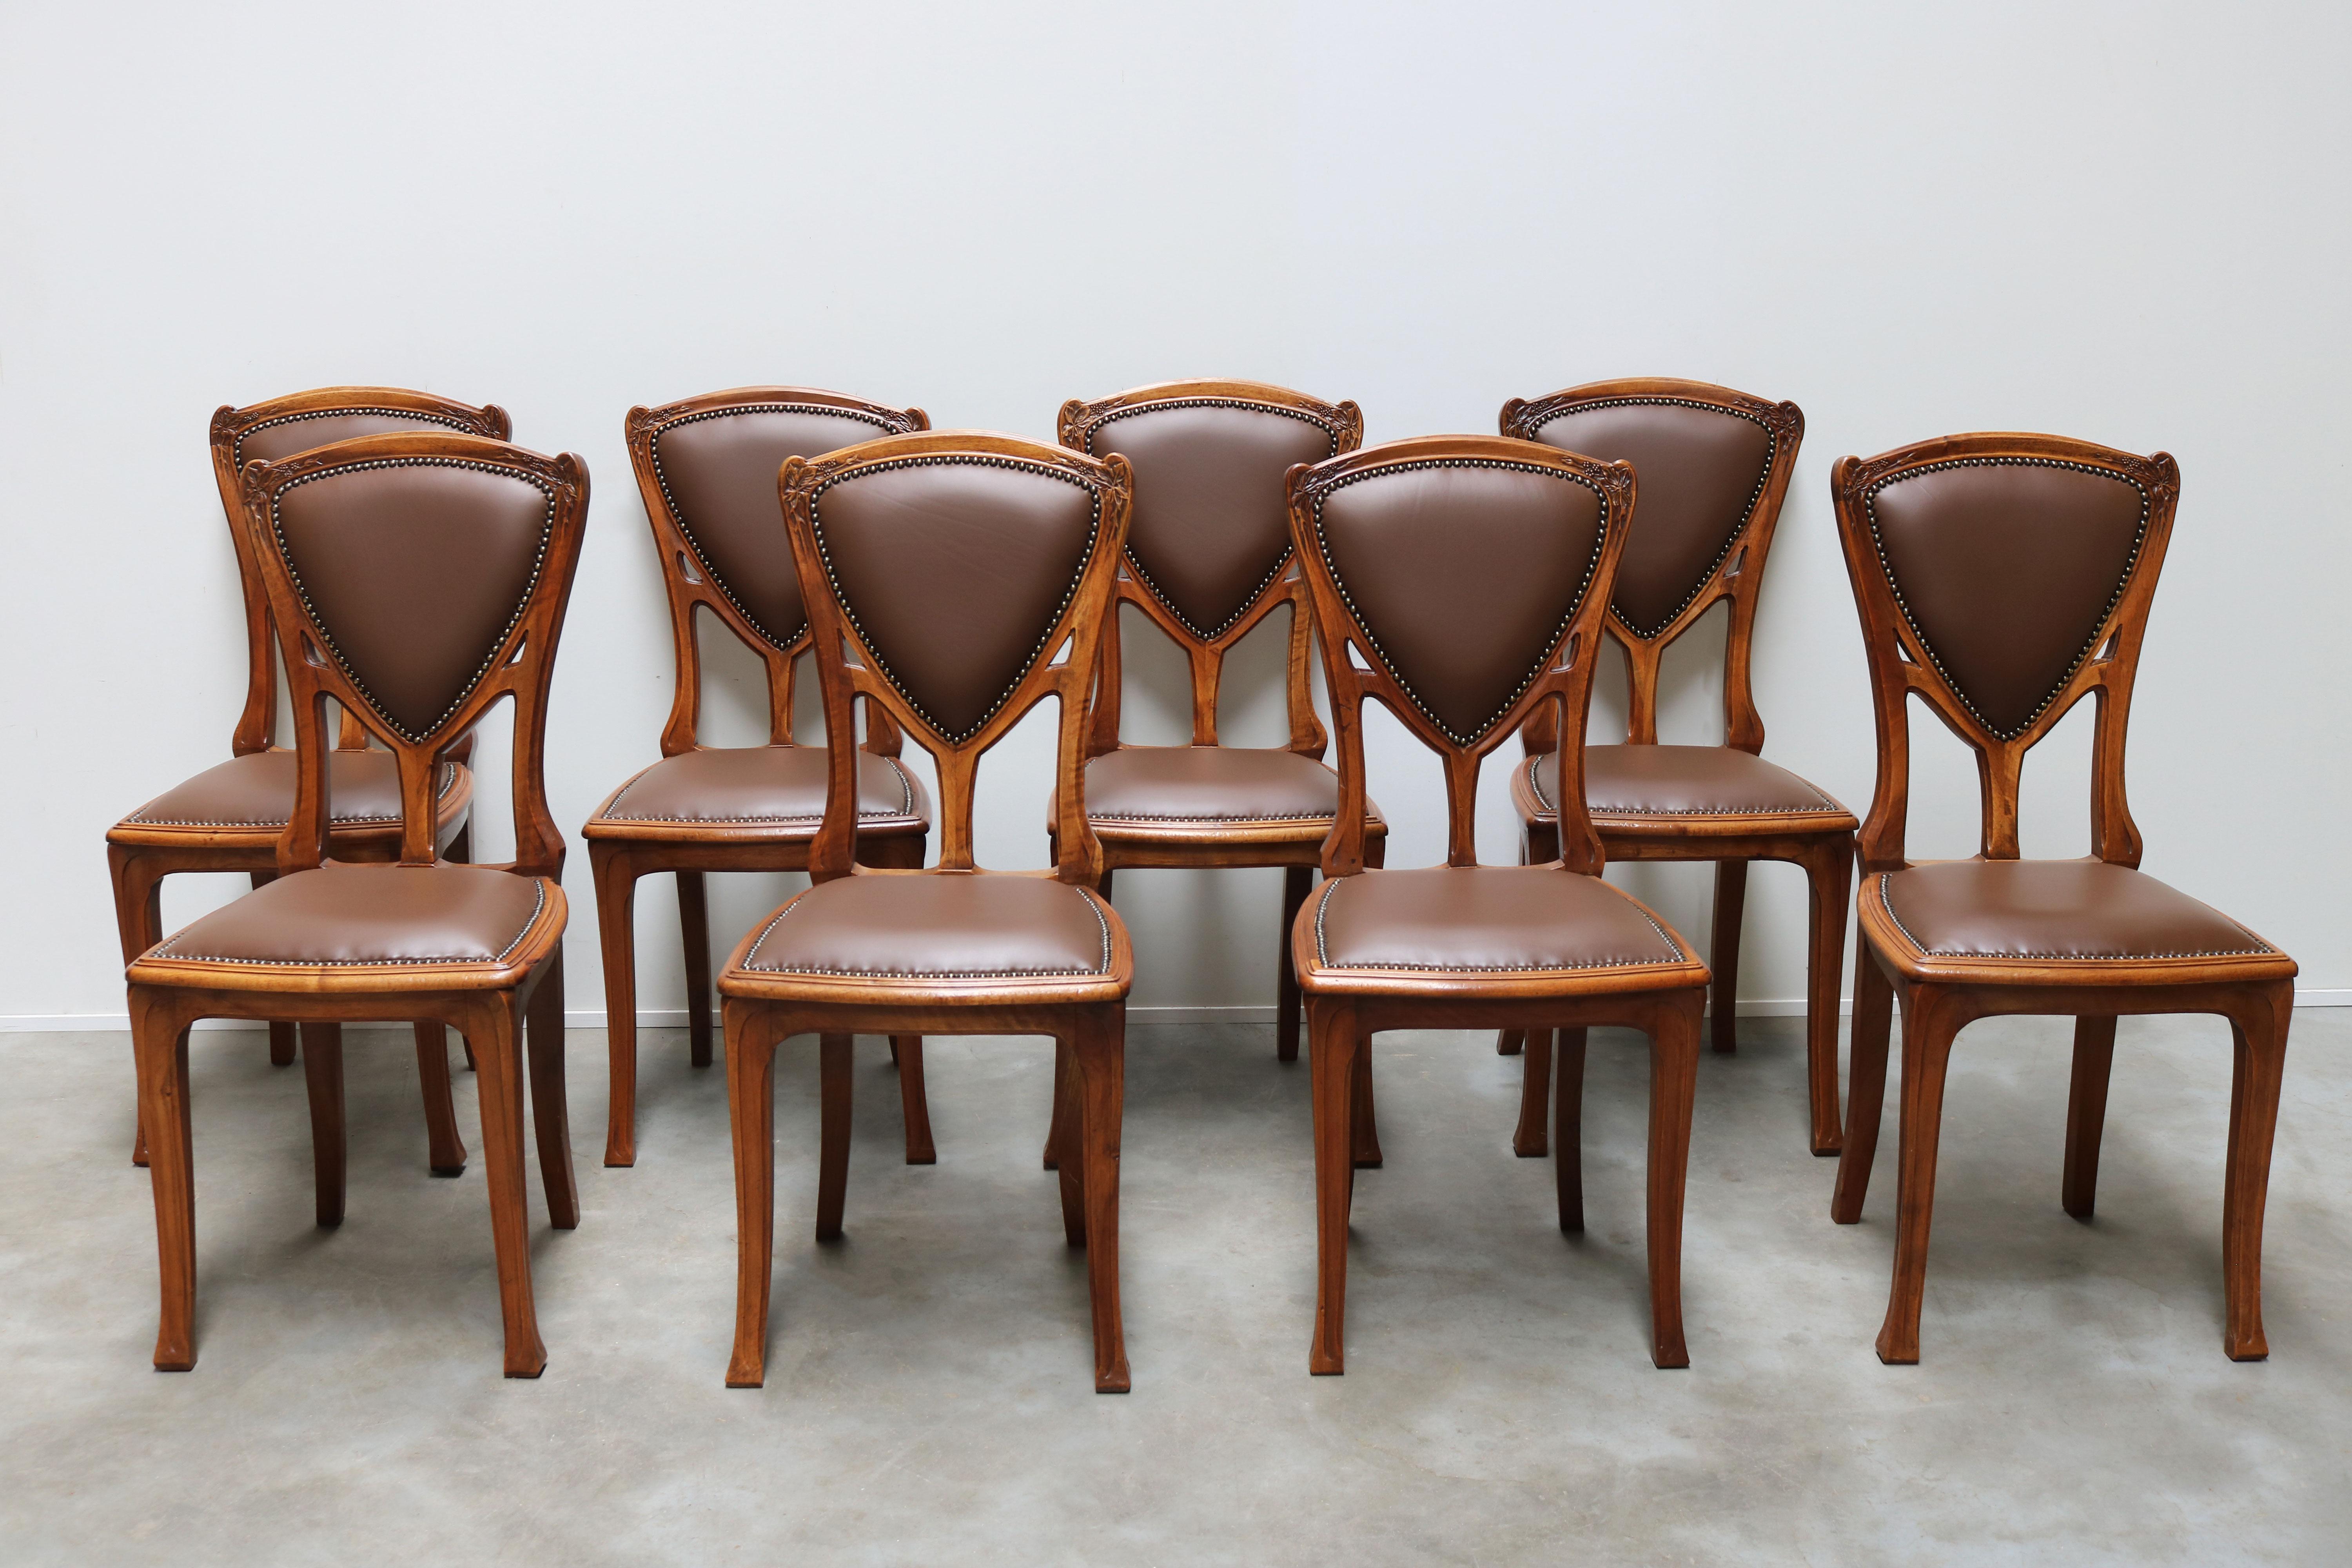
(928, 1397)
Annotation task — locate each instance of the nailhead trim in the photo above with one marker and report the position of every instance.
(538, 906)
(1323, 955)
(1302, 415)
(449, 780)
(1771, 451)
(677, 513)
(906, 808)
(1535, 785)
(1591, 566)
(984, 460)
(498, 644)
(930, 973)
(2260, 950)
(1870, 511)
(237, 449)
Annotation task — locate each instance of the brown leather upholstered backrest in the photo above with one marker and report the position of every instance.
(2002, 577)
(958, 565)
(415, 579)
(1714, 466)
(280, 429)
(1471, 573)
(1209, 554)
(707, 468)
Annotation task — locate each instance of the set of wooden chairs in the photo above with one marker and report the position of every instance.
(409, 568)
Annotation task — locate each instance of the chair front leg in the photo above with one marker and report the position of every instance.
(616, 902)
(550, 1117)
(1333, 1044)
(1099, 1052)
(1527, 1141)
(2259, 1030)
(1930, 1021)
(1674, 1083)
(159, 1036)
(497, 1035)
(139, 921)
(1829, 881)
(694, 924)
(2086, 1112)
(1567, 1129)
(751, 1036)
(1062, 1139)
(1723, 953)
(1865, 1092)
(323, 1074)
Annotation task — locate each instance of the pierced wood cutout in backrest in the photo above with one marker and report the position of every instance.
(954, 580)
(1208, 551)
(707, 468)
(280, 429)
(2001, 578)
(1715, 467)
(415, 580)
(1460, 581)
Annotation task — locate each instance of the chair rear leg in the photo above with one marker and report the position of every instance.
(694, 923)
(1927, 1029)
(1723, 953)
(835, 1082)
(1829, 881)
(1367, 1136)
(752, 1038)
(2086, 1112)
(1567, 1129)
(1069, 1124)
(323, 1074)
(1527, 1141)
(551, 1116)
(2260, 1035)
(1297, 881)
(1510, 1042)
(1099, 1049)
(1334, 1047)
(498, 1036)
(907, 1052)
(1059, 1127)
(159, 1036)
(445, 1147)
(616, 900)
(1865, 1091)
(1674, 1083)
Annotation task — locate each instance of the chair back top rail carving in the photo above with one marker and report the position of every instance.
(955, 579)
(278, 428)
(707, 469)
(1715, 465)
(415, 580)
(1208, 552)
(1461, 581)
(2001, 577)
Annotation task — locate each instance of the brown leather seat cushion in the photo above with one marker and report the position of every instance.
(366, 915)
(1682, 780)
(940, 925)
(1484, 918)
(2055, 909)
(1211, 784)
(257, 791)
(759, 783)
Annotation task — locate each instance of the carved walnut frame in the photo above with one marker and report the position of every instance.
(1820, 842)
(621, 852)
(1940, 996)
(1346, 1008)
(486, 1002)
(1087, 1017)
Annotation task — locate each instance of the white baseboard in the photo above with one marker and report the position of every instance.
(675, 1017)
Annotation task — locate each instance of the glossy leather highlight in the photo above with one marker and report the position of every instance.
(763, 784)
(1210, 784)
(937, 925)
(2054, 909)
(347, 915)
(256, 791)
(1681, 781)
(1485, 920)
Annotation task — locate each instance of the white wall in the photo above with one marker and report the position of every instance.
(2124, 223)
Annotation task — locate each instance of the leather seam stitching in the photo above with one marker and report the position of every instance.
(1535, 785)
(905, 812)
(236, 448)
(538, 906)
(448, 782)
(1323, 954)
(1100, 920)
(1885, 902)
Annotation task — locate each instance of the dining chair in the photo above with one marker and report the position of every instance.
(954, 580)
(229, 817)
(706, 468)
(1209, 558)
(2001, 579)
(414, 580)
(1714, 466)
(1462, 582)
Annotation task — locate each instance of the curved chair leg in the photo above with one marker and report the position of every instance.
(1367, 1135)
(1510, 1042)
(1723, 953)
(907, 1053)
(460, 852)
(1297, 881)
(1674, 1083)
(498, 1033)
(694, 921)
(446, 1147)
(1099, 1053)
(1928, 1027)
(159, 1036)
(752, 1109)
(2086, 1112)
(1865, 1090)
(1059, 1127)
(1567, 1129)
(550, 1117)
(1527, 1141)
(2259, 1038)
(323, 1073)
(1829, 881)
(835, 1082)
(1334, 1046)
(138, 921)
(616, 898)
